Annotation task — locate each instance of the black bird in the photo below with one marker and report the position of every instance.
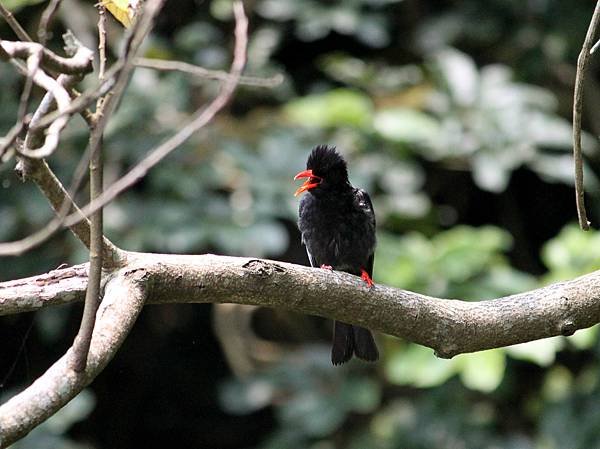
(337, 223)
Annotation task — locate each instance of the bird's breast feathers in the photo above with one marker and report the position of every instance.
(340, 234)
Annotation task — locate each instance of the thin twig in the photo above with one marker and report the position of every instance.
(45, 178)
(84, 99)
(46, 19)
(14, 24)
(62, 99)
(61, 201)
(81, 345)
(199, 119)
(59, 198)
(26, 94)
(582, 62)
(201, 72)
(11, 137)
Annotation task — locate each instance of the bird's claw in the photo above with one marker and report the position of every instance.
(327, 267)
(365, 277)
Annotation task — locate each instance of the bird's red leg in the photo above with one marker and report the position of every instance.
(327, 267)
(365, 277)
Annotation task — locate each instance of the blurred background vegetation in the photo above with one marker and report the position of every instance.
(454, 115)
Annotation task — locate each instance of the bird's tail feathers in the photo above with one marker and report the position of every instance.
(349, 340)
(364, 344)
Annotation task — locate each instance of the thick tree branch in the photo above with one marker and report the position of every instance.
(59, 286)
(124, 298)
(60, 200)
(449, 326)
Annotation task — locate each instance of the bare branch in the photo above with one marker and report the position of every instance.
(200, 118)
(52, 188)
(81, 345)
(122, 303)
(201, 72)
(60, 200)
(84, 99)
(62, 99)
(14, 24)
(449, 326)
(10, 138)
(46, 19)
(582, 62)
(59, 286)
(79, 64)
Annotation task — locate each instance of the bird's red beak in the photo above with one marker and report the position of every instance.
(312, 181)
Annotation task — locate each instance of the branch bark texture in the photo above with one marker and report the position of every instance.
(57, 386)
(449, 326)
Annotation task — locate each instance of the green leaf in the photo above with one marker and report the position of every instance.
(459, 74)
(557, 385)
(571, 253)
(419, 367)
(340, 107)
(540, 352)
(15, 5)
(407, 126)
(584, 338)
(482, 371)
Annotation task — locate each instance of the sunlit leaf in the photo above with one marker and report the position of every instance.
(340, 107)
(541, 352)
(584, 338)
(122, 10)
(557, 384)
(482, 371)
(460, 75)
(407, 126)
(419, 367)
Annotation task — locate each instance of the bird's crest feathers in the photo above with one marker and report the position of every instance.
(325, 159)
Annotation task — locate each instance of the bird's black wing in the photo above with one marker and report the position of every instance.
(311, 259)
(302, 212)
(369, 266)
(364, 201)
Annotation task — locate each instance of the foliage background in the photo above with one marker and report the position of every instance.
(453, 114)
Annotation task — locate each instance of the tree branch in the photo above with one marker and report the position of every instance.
(582, 63)
(200, 72)
(14, 24)
(199, 119)
(56, 287)
(124, 298)
(60, 200)
(79, 64)
(449, 326)
(81, 345)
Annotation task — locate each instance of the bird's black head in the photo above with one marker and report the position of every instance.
(325, 169)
